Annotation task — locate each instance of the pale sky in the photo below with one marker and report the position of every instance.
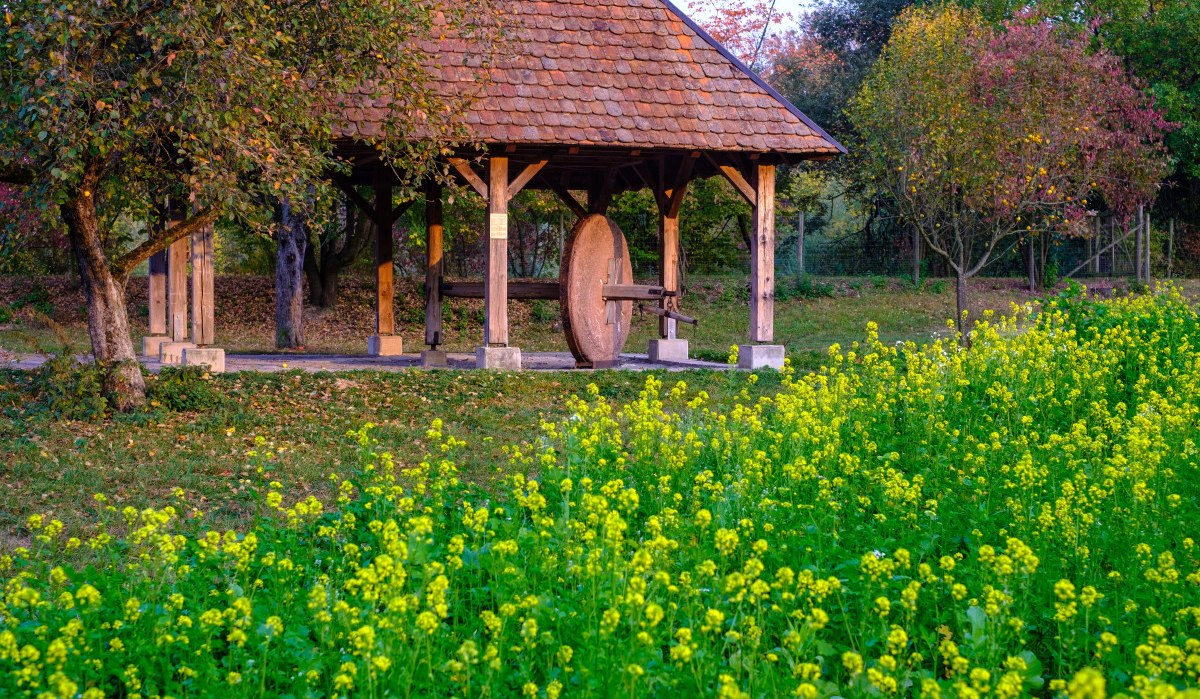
(795, 7)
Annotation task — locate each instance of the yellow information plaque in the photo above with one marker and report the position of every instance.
(498, 227)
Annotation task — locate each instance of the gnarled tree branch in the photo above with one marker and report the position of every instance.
(159, 241)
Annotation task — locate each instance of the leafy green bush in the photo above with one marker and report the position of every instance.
(544, 311)
(1052, 275)
(37, 299)
(182, 389)
(1010, 520)
(63, 388)
(804, 286)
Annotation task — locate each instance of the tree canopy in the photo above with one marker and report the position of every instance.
(981, 134)
(114, 109)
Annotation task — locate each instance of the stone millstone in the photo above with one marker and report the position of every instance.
(596, 254)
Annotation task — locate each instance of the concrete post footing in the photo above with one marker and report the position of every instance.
(501, 358)
(675, 350)
(760, 357)
(152, 345)
(210, 358)
(171, 353)
(434, 359)
(385, 345)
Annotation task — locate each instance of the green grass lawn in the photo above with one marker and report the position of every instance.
(806, 325)
(55, 466)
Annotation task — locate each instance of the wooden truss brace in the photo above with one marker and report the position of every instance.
(569, 199)
(343, 183)
(526, 175)
(669, 197)
(464, 169)
(600, 193)
(737, 179)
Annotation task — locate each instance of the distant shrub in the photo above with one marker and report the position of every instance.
(38, 299)
(64, 388)
(182, 389)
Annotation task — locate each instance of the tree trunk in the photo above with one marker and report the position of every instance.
(916, 243)
(1033, 277)
(329, 283)
(291, 240)
(312, 274)
(324, 262)
(104, 293)
(960, 305)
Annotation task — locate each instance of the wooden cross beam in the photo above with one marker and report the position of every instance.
(343, 183)
(673, 197)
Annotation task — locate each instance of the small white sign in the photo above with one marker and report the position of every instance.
(498, 228)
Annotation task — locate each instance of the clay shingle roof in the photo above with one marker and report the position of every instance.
(625, 73)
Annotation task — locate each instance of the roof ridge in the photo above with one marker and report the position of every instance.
(750, 73)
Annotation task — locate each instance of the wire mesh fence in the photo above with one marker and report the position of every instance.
(1112, 249)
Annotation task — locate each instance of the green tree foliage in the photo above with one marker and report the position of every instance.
(1160, 43)
(111, 108)
(847, 36)
(981, 134)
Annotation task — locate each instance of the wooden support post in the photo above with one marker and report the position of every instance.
(669, 195)
(203, 312)
(157, 279)
(177, 292)
(668, 270)
(495, 297)
(385, 317)
(433, 265)
(762, 258)
(600, 191)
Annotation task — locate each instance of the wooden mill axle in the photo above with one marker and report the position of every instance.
(551, 290)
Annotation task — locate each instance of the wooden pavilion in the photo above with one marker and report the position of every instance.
(595, 97)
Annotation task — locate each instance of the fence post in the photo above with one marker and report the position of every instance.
(1171, 248)
(916, 256)
(1137, 249)
(1146, 225)
(1032, 265)
(1094, 245)
(800, 244)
